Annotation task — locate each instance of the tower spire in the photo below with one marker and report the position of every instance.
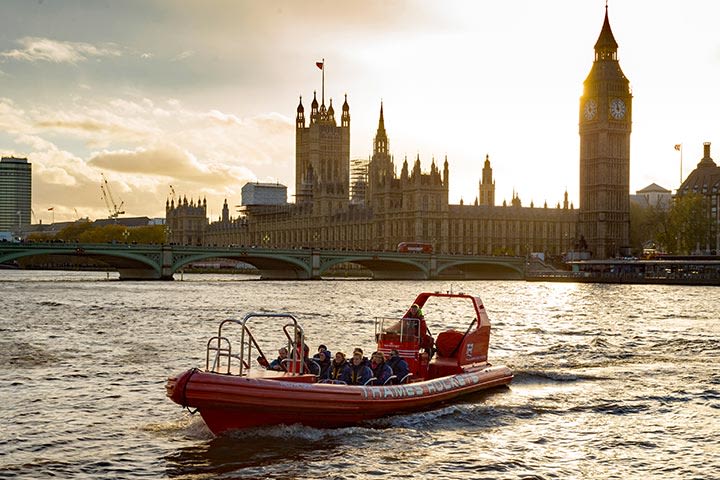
(381, 140)
(381, 123)
(606, 46)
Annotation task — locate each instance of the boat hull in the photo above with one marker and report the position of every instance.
(228, 402)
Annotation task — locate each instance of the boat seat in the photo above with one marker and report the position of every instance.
(293, 366)
(405, 379)
(448, 342)
(390, 380)
(313, 367)
(369, 382)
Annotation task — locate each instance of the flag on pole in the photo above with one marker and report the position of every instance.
(678, 146)
(51, 208)
(320, 64)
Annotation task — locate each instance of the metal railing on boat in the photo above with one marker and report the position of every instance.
(222, 346)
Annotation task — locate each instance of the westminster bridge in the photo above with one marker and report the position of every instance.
(161, 262)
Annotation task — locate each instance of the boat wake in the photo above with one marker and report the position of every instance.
(532, 377)
(189, 426)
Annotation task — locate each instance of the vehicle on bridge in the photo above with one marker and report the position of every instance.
(232, 392)
(414, 247)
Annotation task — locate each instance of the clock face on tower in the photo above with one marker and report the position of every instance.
(590, 109)
(617, 109)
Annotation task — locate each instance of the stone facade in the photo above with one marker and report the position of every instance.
(186, 222)
(413, 206)
(605, 125)
(705, 181)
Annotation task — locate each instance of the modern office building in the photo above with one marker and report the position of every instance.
(15, 194)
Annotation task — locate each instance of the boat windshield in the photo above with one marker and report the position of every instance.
(394, 330)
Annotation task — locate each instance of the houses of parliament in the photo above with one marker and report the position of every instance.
(379, 209)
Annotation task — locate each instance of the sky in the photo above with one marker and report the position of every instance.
(201, 95)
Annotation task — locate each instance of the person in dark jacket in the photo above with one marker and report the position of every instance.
(357, 373)
(336, 368)
(381, 370)
(399, 365)
(324, 362)
(323, 348)
(365, 360)
(277, 363)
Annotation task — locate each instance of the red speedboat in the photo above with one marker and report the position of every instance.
(232, 393)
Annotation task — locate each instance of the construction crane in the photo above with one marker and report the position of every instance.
(114, 209)
(172, 193)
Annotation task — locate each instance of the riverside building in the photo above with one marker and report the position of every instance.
(705, 180)
(413, 206)
(15, 194)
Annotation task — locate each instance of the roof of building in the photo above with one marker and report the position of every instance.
(13, 160)
(260, 184)
(705, 177)
(653, 188)
(606, 40)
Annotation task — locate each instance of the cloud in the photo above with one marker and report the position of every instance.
(170, 161)
(12, 119)
(100, 125)
(143, 145)
(223, 118)
(183, 55)
(37, 49)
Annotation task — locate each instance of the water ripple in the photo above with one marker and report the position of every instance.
(613, 381)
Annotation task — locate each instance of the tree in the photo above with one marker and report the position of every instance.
(86, 232)
(647, 224)
(72, 232)
(689, 224)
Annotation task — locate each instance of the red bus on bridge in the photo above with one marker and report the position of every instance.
(414, 247)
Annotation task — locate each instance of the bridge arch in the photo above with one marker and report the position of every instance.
(270, 264)
(479, 269)
(121, 260)
(381, 267)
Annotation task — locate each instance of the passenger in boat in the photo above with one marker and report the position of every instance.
(300, 349)
(357, 373)
(322, 348)
(323, 360)
(277, 363)
(380, 369)
(415, 312)
(399, 366)
(365, 360)
(337, 367)
(427, 342)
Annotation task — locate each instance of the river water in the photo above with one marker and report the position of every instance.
(612, 381)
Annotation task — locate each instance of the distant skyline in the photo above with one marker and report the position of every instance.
(202, 95)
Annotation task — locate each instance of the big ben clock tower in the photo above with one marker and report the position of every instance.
(605, 124)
